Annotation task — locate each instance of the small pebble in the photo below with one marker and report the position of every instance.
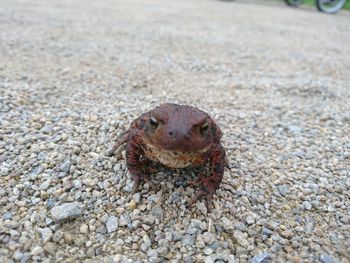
(46, 234)
(208, 237)
(112, 224)
(328, 259)
(66, 211)
(37, 251)
(261, 258)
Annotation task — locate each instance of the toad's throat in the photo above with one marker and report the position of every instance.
(173, 159)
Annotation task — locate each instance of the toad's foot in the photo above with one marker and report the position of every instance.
(205, 192)
(145, 178)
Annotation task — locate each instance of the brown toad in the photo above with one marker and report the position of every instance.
(176, 136)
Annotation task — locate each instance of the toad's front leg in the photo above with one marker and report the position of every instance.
(138, 168)
(209, 184)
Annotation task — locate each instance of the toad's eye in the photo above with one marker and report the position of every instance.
(154, 122)
(204, 128)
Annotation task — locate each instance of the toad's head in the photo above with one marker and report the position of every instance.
(179, 128)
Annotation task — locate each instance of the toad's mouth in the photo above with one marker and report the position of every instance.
(179, 148)
(177, 151)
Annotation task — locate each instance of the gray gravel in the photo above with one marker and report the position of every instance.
(73, 74)
(66, 211)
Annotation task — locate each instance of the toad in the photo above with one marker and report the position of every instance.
(176, 136)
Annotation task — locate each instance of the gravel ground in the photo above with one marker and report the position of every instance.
(73, 74)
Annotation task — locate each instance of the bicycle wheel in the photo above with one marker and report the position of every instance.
(295, 3)
(330, 6)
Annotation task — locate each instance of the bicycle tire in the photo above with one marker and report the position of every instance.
(331, 9)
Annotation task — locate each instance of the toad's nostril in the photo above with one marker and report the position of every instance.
(171, 133)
